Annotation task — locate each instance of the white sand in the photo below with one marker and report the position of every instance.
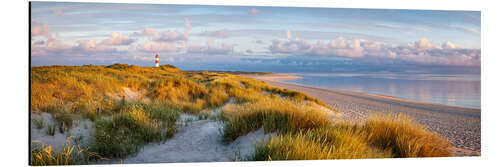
(81, 128)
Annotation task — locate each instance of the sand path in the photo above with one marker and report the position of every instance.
(462, 126)
(200, 141)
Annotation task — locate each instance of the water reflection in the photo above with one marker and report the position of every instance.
(454, 90)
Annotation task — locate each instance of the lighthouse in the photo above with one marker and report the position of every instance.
(157, 62)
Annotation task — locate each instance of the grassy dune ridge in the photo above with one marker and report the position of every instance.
(124, 124)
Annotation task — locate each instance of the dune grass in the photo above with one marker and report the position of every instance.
(382, 136)
(132, 127)
(320, 143)
(273, 114)
(70, 154)
(404, 137)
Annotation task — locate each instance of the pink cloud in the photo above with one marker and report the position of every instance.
(58, 12)
(54, 44)
(91, 46)
(422, 51)
(38, 29)
(253, 11)
(148, 32)
(117, 38)
(150, 46)
(167, 35)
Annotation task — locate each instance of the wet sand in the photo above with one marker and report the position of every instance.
(462, 126)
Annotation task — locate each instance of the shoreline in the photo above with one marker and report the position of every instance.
(284, 76)
(461, 125)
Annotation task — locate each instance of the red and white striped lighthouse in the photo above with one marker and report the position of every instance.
(157, 62)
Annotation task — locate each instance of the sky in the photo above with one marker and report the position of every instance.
(266, 39)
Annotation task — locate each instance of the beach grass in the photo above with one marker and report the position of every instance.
(382, 136)
(132, 127)
(272, 114)
(70, 154)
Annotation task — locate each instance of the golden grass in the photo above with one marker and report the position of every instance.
(273, 114)
(70, 154)
(382, 136)
(314, 144)
(404, 137)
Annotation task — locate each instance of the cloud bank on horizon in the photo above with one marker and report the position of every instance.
(256, 38)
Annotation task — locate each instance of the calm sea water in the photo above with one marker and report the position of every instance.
(452, 90)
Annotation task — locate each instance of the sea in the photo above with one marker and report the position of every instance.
(463, 90)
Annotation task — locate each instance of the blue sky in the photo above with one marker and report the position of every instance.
(256, 38)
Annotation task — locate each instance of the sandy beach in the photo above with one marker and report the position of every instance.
(462, 126)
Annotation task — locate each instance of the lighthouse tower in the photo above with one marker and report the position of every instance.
(157, 62)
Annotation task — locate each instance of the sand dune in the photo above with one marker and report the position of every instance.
(462, 126)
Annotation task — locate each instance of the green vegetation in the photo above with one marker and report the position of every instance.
(132, 106)
(39, 123)
(132, 127)
(51, 130)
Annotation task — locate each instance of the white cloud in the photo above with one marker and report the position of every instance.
(217, 33)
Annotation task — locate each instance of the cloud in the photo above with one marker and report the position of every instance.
(187, 25)
(92, 46)
(422, 51)
(38, 29)
(147, 32)
(422, 44)
(216, 34)
(171, 36)
(466, 29)
(117, 38)
(150, 46)
(211, 47)
(253, 11)
(167, 35)
(56, 45)
(448, 45)
(58, 12)
(288, 34)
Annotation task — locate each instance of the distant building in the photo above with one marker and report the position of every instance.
(157, 62)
